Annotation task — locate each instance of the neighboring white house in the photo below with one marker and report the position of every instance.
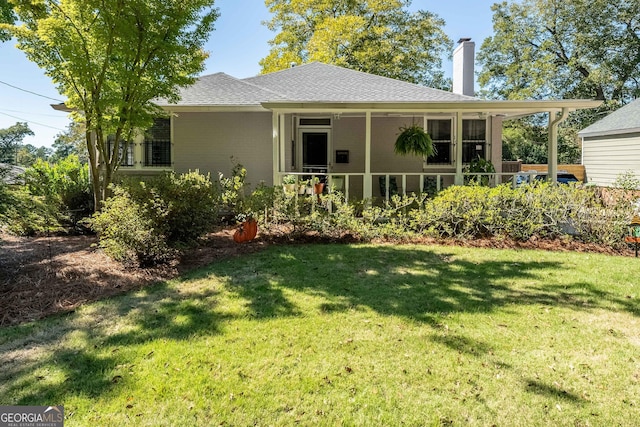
(611, 146)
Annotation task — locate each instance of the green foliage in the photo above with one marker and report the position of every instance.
(380, 37)
(65, 186)
(627, 181)
(23, 214)
(466, 212)
(479, 165)
(562, 49)
(11, 141)
(71, 141)
(527, 139)
(128, 230)
(144, 222)
(112, 60)
(414, 140)
(232, 190)
(6, 16)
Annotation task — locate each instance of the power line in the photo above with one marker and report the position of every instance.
(31, 121)
(32, 93)
(30, 112)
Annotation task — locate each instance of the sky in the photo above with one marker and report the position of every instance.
(236, 46)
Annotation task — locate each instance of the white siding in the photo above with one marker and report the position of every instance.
(606, 157)
(207, 141)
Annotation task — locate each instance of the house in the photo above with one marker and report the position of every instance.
(322, 120)
(611, 146)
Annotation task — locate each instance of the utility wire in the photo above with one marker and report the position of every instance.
(32, 93)
(30, 112)
(31, 121)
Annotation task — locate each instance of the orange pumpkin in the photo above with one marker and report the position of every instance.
(252, 228)
(246, 232)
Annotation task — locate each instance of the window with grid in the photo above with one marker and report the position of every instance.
(474, 139)
(440, 133)
(127, 159)
(157, 144)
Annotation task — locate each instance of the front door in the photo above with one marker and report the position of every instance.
(315, 151)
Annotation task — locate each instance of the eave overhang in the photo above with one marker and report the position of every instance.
(508, 109)
(612, 132)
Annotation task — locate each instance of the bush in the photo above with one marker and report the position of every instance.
(23, 214)
(540, 209)
(64, 185)
(145, 222)
(232, 191)
(128, 230)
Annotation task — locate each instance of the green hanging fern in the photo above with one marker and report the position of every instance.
(414, 140)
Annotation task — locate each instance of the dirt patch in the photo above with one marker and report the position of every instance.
(46, 275)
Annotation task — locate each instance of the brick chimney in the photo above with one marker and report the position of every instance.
(463, 64)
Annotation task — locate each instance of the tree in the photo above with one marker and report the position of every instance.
(71, 141)
(6, 16)
(111, 59)
(380, 37)
(28, 154)
(11, 141)
(563, 49)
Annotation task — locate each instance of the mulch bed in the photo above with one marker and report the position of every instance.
(46, 275)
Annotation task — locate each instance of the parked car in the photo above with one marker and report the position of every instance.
(521, 178)
(563, 177)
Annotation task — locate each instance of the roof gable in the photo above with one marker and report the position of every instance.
(624, 120)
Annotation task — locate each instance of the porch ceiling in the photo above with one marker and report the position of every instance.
(508, 109)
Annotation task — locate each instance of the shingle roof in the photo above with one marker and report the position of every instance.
(623, 120)
(318, 82)
(222, 90)
(314, 82)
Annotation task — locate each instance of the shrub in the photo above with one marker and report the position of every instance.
(23, 214)
(144, 222)
(128, 230)
(232, 190)
(627, 181)
(64, 185)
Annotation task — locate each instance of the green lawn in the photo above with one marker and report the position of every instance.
(348, 335)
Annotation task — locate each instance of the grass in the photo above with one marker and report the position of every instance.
(348, 335)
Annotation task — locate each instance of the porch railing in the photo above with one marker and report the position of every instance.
(396, 182)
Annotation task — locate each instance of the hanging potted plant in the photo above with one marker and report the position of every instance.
(414, 140)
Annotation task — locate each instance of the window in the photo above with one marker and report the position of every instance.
(157, 144)
(440, 133)
(128, 157)
(474, 138)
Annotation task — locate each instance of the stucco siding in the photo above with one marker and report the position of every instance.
(606, 157)
(207, 141)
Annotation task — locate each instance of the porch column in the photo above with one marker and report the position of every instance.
(552, 156)
(282, 149)
(275, 122)
(459, 179)
(367, 188)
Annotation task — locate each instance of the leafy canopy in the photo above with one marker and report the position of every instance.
(111, 59)
(11, 141)
(6, 16)
(563, 49)
(378, 36)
